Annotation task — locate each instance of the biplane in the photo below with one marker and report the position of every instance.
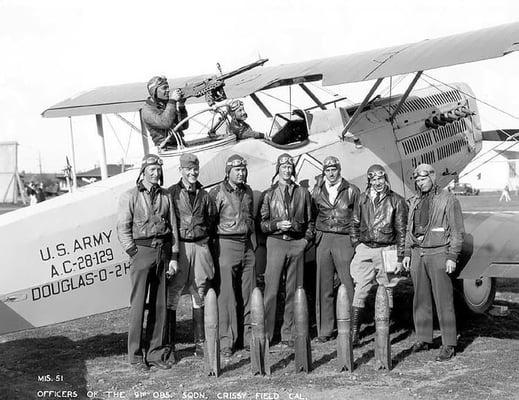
(61, 259)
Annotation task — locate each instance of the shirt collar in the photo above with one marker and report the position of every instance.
(283, 184)
(334, 185)
(231, 188)
(143, 187)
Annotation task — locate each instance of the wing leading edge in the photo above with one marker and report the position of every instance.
(450, 50)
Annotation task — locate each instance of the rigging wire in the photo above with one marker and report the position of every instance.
(494, 147)
(277, 98)
(130, 138)
(480, 155)
(389, 89)
(490, 159)
(474, 97)
(115, 133)
(331, 92)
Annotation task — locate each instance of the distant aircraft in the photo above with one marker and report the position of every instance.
(61, 259)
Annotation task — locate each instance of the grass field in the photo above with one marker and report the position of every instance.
(86, 358)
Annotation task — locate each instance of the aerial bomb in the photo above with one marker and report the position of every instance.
(212, 334)
(382, 344)
(344, 339)
(303, 352)
(259, 344)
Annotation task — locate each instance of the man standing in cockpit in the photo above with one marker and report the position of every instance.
(162, 111)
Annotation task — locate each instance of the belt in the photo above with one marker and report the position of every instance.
(373, 245)
(430, 250)
(151, 242)
(193, 240)
(284, 236)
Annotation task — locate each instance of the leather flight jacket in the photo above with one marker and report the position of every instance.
(299, 212)
(139, 219)
(444, 229)
(161, 116)
(194, 222)
(234, 210)
(381, 225)
(334, 217)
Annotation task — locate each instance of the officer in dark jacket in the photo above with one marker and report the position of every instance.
(163, 111)
(195, 214)
(286, 217)
(433, 244)
(333, 200)
(378, 226)
(234, 226)
(147, 231)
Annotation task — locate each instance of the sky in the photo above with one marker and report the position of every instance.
(54, 49)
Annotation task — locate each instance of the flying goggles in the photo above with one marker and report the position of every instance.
(376, 174)
(422, 173)
(286, 160)
(237, 163)
(152, 160)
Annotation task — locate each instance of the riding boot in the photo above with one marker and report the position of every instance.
(198, 330)
(355, 324)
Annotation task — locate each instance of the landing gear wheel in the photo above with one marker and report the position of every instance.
(479, 293)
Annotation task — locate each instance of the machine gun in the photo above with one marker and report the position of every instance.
(212, 88)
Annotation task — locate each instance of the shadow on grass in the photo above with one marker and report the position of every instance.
(237, 365)
(33, 365)
(283, 363)
(30, 366)
(325, 359)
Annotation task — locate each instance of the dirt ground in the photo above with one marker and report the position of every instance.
(86, 358)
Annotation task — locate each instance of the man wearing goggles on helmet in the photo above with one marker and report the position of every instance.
(333, 201)
(237, 126)
(147, 231)
(234, 226)
(162, 111)
(378, 225)
(286, 217)
(433, 244)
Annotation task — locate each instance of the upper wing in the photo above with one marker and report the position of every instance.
(428, 54)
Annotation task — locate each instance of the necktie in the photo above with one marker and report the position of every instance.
(377, 199)
(287, 201)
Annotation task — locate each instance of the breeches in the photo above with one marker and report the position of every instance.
(195, 271)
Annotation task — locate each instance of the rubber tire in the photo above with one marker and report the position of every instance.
(479, 294)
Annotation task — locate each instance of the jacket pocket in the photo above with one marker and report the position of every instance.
(438, 236)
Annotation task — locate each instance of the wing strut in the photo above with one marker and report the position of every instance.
(142, 131)
(312, 96)
(74, 178)
(144, 135)
(406, 95)
(359, 109)
(260, 105)
(102, 147)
